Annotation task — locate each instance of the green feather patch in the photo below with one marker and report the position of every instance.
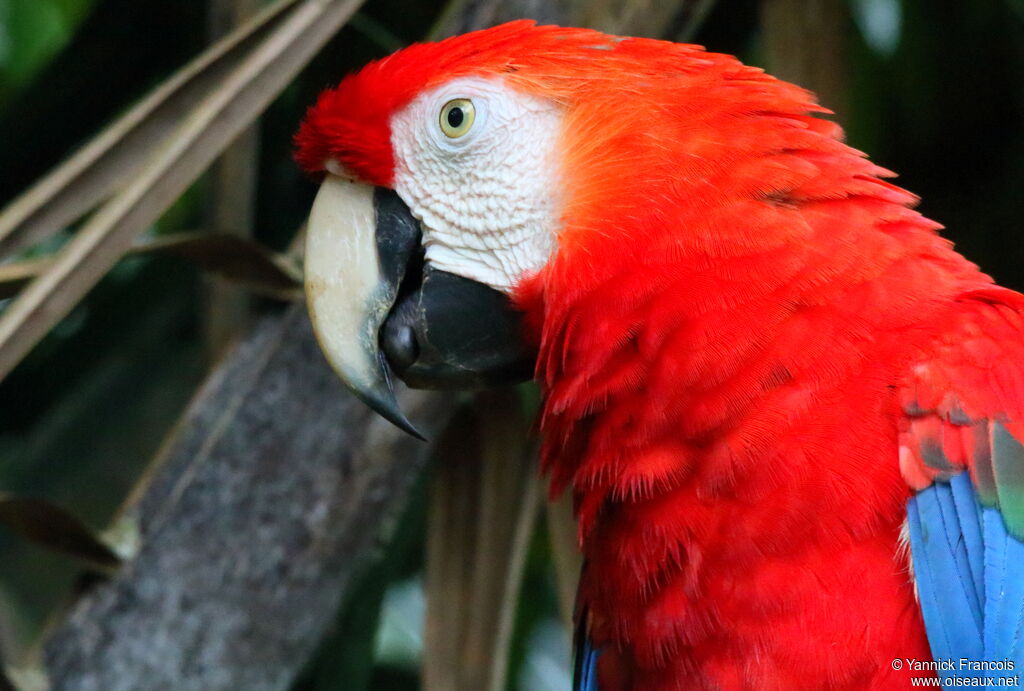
(983, 475)
(1008, 464)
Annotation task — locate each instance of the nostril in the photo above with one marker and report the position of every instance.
(400, 346)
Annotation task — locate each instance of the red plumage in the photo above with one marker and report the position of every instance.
(736, 308)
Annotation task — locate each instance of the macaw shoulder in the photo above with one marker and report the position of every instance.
(967, 384)
(961, 450)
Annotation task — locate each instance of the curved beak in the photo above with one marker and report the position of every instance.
(380, 310)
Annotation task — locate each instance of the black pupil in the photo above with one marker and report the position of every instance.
(455, 116)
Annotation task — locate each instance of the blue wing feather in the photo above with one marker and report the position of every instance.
(584, 674)
(969, 577)
(968, 512)
(995, 564)
(1005, 582)
(953, 623)
(956, 545)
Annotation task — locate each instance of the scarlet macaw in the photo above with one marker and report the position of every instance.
(789, 413)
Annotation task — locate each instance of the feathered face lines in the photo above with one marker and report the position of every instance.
(476, 162)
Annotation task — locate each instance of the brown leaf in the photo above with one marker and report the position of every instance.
(235, 259)
(565, 555)
(183, 155)
(484, 499)
(231, 257)
(56, 529)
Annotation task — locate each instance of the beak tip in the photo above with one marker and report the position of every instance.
(383, 402)
(402, 422)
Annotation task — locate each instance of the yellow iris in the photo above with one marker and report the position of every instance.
(457, 117)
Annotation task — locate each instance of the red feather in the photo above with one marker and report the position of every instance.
(736, 308)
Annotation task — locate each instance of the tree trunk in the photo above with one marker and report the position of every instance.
(273, 492)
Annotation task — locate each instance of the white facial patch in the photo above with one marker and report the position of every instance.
(487, 200)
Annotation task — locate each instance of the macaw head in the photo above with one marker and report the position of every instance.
(484, 183)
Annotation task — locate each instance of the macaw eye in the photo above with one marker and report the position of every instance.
(457, 117)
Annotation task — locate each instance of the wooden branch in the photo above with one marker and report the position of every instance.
(275, 489)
